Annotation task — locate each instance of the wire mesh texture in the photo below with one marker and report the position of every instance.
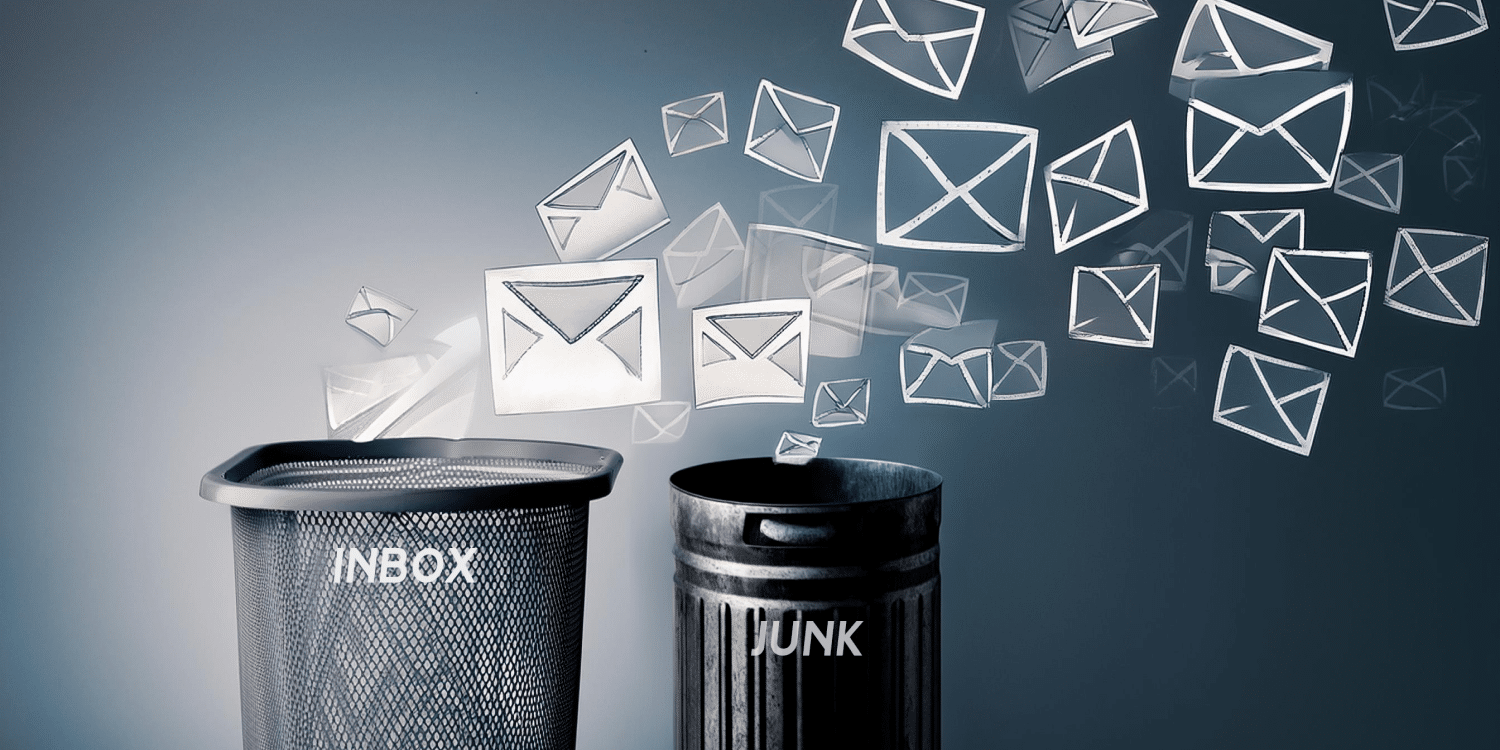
(413, 473)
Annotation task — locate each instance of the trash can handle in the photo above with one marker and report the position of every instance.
(787, 530)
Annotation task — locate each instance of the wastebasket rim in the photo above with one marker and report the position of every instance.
(936, 484)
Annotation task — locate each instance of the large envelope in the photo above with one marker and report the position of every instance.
(1275, 133)
(985, 192)
(1372, 179)
(661, 422)
(926, 43)
(1164, 238)
(1317, 298)
(378, 315)
(416, 395)
(1224, 40)
(1045, 47)
(1438, 275)
(1174, 382)
(841, 403)
(1418, 24)
(1240, 244)
(783, 262)
(950, 366)
(705, 258)
(1093, 21)
(1415, 389)
(796, 448)
(605, 208)
(1020, 371)
(751, 352)
(1270, 399)
(1115, 305)
(1096, 187)
(810, 207)
(791, 132)
(925, 300)
(569, 336)
(695, 124)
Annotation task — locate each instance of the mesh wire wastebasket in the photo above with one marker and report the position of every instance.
(410, 593)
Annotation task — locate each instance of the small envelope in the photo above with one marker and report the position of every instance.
(791, 132)
(1240, 244)
(1046, 49)
(1274, 133)
(705, 258)
(1388, 100)
(1021, 371)
(1456, 116)
(569, 336)
(1115, 305)
(661, 422)
(1418, 24)
(1317, 298)
(1174, 382)
(1415, 389)
(1096, 188)
(378, 315)
(926, 300)
(751, 352)
(1438, 275)
(928, 44)
(796, 448)
(810, 207)
(1463, 168)
(985, 194)
(411, 396)
(950, 366)
(1270, 399)
(1164, 238)
(604, 209)
(1094, 21)
(1372, 179)
(783, 262)
(1224, 40)
(695, 124)
(841, 403)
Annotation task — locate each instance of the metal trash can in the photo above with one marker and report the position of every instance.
(410, 593)
(807, 605)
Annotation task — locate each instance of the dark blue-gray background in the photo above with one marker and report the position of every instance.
(192, 193)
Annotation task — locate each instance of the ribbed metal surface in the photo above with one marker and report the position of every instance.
(413, 473)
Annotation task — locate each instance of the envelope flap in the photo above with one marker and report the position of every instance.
(924, 17)
(753, 332)
(803, 113)
(1259, 101)
(1262, 42)
(695, 108)
(844, 392)
(976, 334)
(573, 308)
(934, 284)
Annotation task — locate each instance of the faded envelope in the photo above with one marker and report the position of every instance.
(1317, 298)
(810, 207)
(350, 391)
(378, 315)
(1115, 305)
(1457, 116)
(1270, 399)
(1464, 168)
(1161, 237)
(949, 366)
(1438, 275)
(1174, 382)
(791, 132)
(1093, 21)
(1415, 389)
(705, 258)
(928, 44)
(1372, 179)
(926, 300)
(1021, 371)
(604, 209)
(408, 396)
(796, 449)
(1045, 47)
(1418, 24)
(569, 336)
(841, 403)
(751, 352)
(1240, 244)
(1224, 40)
(1096, 188)
(695, 124)
(1386, 104)
(661, 422)
(971, 190)
(784, 262)
(1274, 133)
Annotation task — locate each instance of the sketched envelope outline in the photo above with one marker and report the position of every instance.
(796, 448)
(965, 348)
(1094, 21)
(1287, 293)
(1134, 321)
(1237, 107)
(751, 352)
(1084, 179)
(1045, 48)
(1023, 371)
(1240, 244)
(777, 207)
(834, 273)
(1426, 21)
(1267, 403)
(1448, 291)
(699, 271)
(875, 24)
(783, 138)
(841, 403)
(378, 315)
(603, 209)
(1415, 389)
(1359, 180)
(1209, 50)
(1164, 238)
(661, 422)
(700, 113)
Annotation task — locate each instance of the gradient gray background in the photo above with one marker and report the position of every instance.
(192, 193)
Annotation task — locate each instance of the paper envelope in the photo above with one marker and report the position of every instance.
(378, 315)
(604, 209)
(810, 207)
(950, 366)
(985, 194)
(419, 395)
(1096, 187)
(1093, 21)
(1224, 40)
(751, 352)
(1274, 133)
(1115, 305)
(1045, 47)
(791, 132)
(1240, 244)
(1317, 298)
(661, 422)
(784, 262)
(1438, 275)
(1161, 237)
(1415, 389)
(569, 336)
(351, 391)
(1372, 179)
(841, 403)
(1418, 24)
(1020, 371)
(926, 300)
(1174, 382)
(705, 258)
(695, 124)
(1270, 399)
(796, 449)
(928, 44)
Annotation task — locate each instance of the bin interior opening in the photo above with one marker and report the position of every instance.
(413, 473)
(823, 481)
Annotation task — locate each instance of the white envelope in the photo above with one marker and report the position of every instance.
(569, 336)
(1415, 389)
(784, 262)
(604, 209)
(841, 403)
(796, 449)
(1248, 44)
(1164, 238)
(1418, 24)
(1372, 179)
(1045, 46)
(695, 124)
(983, 207)
(661, 422)
(352, 391)
(950, 366)
(1438, 275)
(1270, 399)
(1239, 132)
(705, 258)
(1021, 371)
(378, 315)
(1115, 305)
(438, 402)
(1096, 187)
(1240, 244)
(1317, 298)
(797, 144)
(925, 300)
(1093, 21)
(810, 207)
(751, 352)
(928, 44)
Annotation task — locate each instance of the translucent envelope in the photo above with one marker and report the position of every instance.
(928, 44)
(378, 315)
(1115, 305)
(415, 395)
(841, 403)
(1096, 188)
(791, 132)
(661, 422)
(1388, 100)
(1094, 21)
(1240, 244)
(705, 258)
(1464, 169)
(1438, 275)
(1164, 238)
(954, 185)
(950, 366)
(751, 353)
(573, 336)
(1270, 399)
(1415, 389)
(810, 207)
(695, 124)
(1372, 179)
(1274, 133)
(1174, 382)
(926, 300)
(604, 209)
(1224, 40)
(1418, 24)
(1456, 116)
(1045, 47)
(783, 262)
(1021, 371)
(1317, 298)
(796, 449)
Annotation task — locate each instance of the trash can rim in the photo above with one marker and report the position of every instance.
(774, 507)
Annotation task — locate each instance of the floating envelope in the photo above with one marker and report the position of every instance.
(351, 391)
(1418, 24)
(1164, 238)
(1317, 298)
(1270, 399)
(954, 185)
(1389, 100)
(573, 336)
(841, 403)
(1240, 244)
(1020, 371)
(1224, 40)
(949, 366)
(1174, 382)
(705, 258)
(928, 44)
(796, 449)
(1438, 275)
(1415, 389)
(1115, 305)
(604, 209)
(791, 132)
(695, 124)
(1093, 21)
(925, 300)
(1464, 169)
(378, 315)
(1275, 133)
(1456, 116)
(751, 352)
(784, 262)
(661, 422)
(1096, 188)
(417, 395)
(1046, 49)
(810, 207)
(1372, 179)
